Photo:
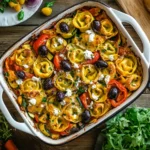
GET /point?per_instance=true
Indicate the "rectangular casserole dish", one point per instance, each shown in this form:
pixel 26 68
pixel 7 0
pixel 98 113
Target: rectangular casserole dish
pixel 117 17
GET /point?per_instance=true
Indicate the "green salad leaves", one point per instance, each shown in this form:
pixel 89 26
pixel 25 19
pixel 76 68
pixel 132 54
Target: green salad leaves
pixel 129 130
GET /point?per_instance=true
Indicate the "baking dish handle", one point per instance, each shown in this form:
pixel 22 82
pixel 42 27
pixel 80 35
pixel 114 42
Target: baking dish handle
pixel 20 126
pixel 128 19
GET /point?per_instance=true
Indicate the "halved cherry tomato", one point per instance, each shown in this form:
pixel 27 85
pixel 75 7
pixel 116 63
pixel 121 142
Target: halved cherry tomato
pixel 94 11
pixel 36 117
pixel 57 61
pixel 95 59
pixel 85 100
pixel 67 131
pixel 16 67
pixel 40 41
pixel 122 93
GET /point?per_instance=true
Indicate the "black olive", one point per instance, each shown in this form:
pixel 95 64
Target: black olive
pixel 101 64
pixel 74 129
pixel 65 65
pixel 20 74
pixel 96 25
pixel 60 96
pixel 86 116
pixel 43 51
pixel 113 93
pixel 64 27
pixel 47 84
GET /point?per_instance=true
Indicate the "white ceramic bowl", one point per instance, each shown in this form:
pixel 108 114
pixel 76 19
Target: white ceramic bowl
pixel 117 17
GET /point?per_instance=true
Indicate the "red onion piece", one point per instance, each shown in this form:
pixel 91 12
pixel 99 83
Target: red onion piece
pixel 32 3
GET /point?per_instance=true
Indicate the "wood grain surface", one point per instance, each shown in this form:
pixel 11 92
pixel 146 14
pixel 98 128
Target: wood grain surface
pixel 9 35
pixel 137 9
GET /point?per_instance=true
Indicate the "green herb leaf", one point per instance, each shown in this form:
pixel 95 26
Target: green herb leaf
pixel 44 100
pixel 49 4
pixel 79 101
pixel 21 15
pixel 80 90
pixel 24 103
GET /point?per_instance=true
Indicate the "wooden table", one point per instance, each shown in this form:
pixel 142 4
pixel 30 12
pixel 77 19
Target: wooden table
pixel 9 35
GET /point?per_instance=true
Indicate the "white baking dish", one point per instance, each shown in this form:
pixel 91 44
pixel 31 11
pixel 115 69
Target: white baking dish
pixel 117 18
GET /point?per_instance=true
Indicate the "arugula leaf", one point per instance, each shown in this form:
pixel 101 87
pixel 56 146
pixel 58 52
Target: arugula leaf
pixel 129 130
pixel 49 4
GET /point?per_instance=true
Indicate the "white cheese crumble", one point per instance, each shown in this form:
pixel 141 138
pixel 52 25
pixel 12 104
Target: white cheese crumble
pixel 55 72
pixel 89 31
pixel 25 66
pixel 95 97
pixel 60 40
pixel 32 101
pixel 75 116
pixel 91 37
pixel 35 79
pixel 76 65
pixel 19 81
pixel 63 103
pixel 68 92
pixel 111 57
pixel 56 112
pixel 93 86
pixel 91 105
pixel 55 45
pixel 107 79
pixel 62 55
pixel 88 54
pixel 42 105
pixel 91 82
pixel 101 77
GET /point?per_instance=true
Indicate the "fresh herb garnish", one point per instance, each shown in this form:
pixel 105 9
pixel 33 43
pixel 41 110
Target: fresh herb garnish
pixel 49 4
pixel 80 90
pixel 44 99
pixel 24 103
pixel 21 15
pixel 129 131
pixel 79 101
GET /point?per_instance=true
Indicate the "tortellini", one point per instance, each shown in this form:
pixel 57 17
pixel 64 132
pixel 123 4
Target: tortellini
pixel 63 81
pixel 108 51
pixel 56 44
pixel 75 54
pixel 108 28
pixel 90 73
pixel 97 92
pixel 126 65
pixel 72 29
pixel 83 20
pixel 43 68
pixel 100 109
pixel 12 79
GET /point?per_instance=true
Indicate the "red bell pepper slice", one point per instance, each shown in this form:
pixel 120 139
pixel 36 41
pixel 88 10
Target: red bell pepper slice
pixel 122 93
pixel 85 100
pixel 57 61
pixel 40 41
pixel 95 59
pixel 67 131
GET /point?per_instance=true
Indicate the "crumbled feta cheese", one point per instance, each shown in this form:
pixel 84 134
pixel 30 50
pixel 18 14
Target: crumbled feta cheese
pixel 101 77
pixel 55 45
pixel 91 82
pixel 63 103
pixel 19 81
pixel 93 86
pixel 62 55
pixel 111 57
pixel 91 37
pixel 32 101
pixel 88 54
pixel 60 40
pixel 35 79
pixel 42 105
pixel 55 72
pixel 68 92
pixel 89 31
pixel 75 116
pixel 91 105
pixel 25 66
pixel 94 97
pixel 65 58
pixel 107 79
pixel 76 65
pixel 56 112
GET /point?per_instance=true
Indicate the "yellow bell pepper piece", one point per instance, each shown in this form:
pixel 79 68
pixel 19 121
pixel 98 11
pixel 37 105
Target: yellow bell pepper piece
pixel 21 2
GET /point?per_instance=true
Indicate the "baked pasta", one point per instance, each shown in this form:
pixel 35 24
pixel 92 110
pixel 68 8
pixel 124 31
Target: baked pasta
pixel 73 73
